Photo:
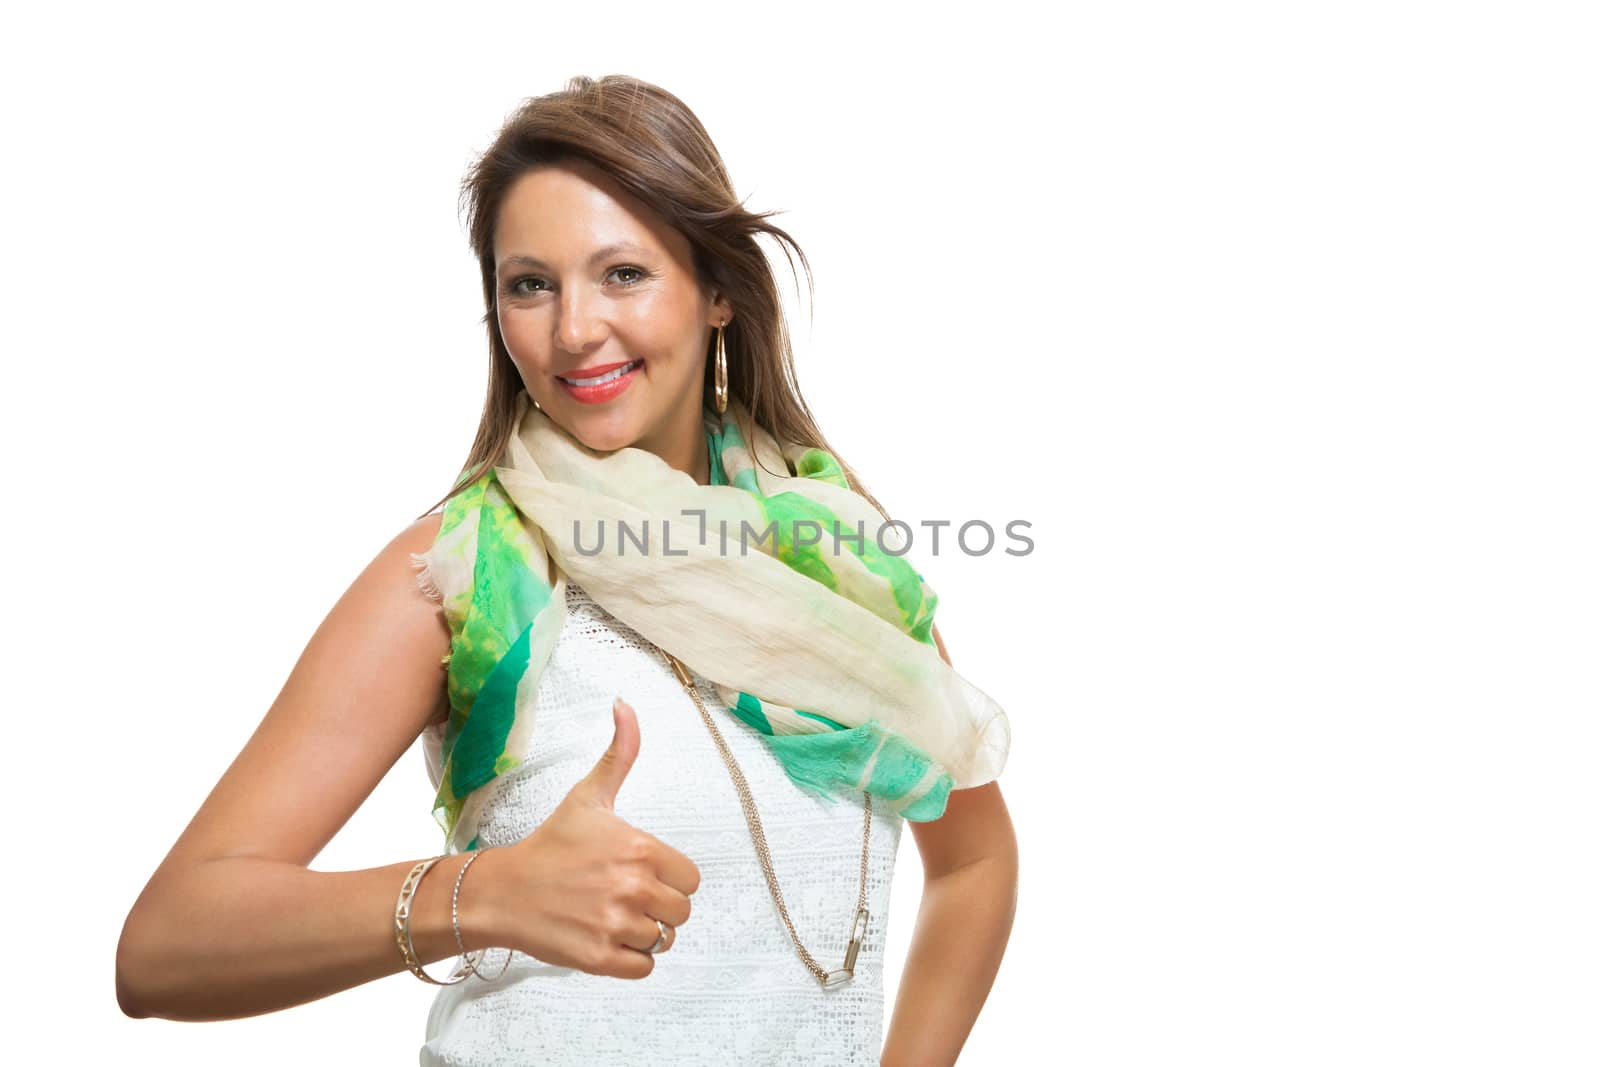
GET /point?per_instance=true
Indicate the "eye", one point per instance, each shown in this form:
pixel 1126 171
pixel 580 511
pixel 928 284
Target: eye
pixel 638 274
pixel 515 286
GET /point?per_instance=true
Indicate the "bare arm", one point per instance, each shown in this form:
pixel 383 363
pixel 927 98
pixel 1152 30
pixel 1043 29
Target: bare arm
pixel 232 923
pixel 969 900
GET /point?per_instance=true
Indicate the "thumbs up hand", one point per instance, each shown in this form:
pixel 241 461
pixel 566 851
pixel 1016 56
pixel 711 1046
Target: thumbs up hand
pixel 585 889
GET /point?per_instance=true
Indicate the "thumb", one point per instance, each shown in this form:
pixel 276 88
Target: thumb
pixel 617 760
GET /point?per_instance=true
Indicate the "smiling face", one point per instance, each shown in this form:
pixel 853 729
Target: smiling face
pixel 588 281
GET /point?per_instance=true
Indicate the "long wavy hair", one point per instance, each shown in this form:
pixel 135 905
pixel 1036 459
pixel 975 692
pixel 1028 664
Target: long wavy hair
pixel 651 144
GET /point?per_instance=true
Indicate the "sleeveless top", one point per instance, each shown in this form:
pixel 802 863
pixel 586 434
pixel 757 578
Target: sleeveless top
pixel 731 988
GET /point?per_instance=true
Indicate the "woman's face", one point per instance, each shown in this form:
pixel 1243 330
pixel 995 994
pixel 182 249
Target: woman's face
pixel 589 280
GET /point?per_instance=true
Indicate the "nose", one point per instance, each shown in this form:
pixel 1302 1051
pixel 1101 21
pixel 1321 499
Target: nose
pixel 580 325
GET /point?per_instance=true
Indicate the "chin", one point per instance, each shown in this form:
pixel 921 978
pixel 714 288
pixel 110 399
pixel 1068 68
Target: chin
pixel 605 432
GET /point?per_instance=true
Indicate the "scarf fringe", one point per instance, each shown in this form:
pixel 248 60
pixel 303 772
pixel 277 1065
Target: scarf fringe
pixel 425 582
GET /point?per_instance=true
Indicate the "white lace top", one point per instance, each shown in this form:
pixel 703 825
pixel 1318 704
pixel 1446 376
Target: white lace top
pixel 731 989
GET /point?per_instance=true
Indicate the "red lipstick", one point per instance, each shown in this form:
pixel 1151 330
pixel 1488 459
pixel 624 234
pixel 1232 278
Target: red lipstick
pixel 600 392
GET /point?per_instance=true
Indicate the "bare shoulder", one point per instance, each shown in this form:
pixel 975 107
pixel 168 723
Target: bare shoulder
pixel 408 545
pixel 419 536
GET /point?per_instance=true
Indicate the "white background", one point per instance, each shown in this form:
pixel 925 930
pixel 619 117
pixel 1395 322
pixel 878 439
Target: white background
pixel 1278 322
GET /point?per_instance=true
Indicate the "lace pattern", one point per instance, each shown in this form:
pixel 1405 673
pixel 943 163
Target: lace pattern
pixel 732 988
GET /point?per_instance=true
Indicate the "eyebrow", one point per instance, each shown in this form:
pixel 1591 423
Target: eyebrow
pixel 602 253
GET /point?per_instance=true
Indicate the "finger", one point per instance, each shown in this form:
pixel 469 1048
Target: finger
pixel 605 778
pixel 644 932
pixel 627 962
pixel 676 870
pixel 668 905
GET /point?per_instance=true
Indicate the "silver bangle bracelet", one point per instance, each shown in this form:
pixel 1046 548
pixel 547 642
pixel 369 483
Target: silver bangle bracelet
pixel 455 921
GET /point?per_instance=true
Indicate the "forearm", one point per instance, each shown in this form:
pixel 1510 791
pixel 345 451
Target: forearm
pixel 235 937
pixel 963 924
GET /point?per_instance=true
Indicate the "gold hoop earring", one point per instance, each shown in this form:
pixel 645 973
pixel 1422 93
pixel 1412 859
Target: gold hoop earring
pixel 721 374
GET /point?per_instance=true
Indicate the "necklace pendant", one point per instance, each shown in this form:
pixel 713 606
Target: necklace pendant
pixel 858 931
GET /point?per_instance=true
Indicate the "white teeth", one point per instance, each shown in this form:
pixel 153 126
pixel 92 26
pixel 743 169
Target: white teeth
pixel 608 377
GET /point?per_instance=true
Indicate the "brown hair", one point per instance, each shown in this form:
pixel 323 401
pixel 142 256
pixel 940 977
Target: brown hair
pixel 653 146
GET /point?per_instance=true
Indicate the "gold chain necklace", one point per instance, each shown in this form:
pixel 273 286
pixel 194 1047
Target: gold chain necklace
pixel 858 926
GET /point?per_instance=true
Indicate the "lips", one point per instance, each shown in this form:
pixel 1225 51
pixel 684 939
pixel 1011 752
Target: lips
pixel 618 376
pixel 585 373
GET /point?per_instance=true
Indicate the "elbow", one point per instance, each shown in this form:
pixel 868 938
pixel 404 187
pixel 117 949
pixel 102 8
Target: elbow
pixel 129 969
pixel 149 970
pixel 125 1001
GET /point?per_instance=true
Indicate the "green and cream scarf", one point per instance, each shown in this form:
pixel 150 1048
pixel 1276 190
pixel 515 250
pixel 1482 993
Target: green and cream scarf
pixel 824 648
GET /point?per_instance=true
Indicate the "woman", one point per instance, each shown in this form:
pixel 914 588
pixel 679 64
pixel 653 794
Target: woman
pixel 796 711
